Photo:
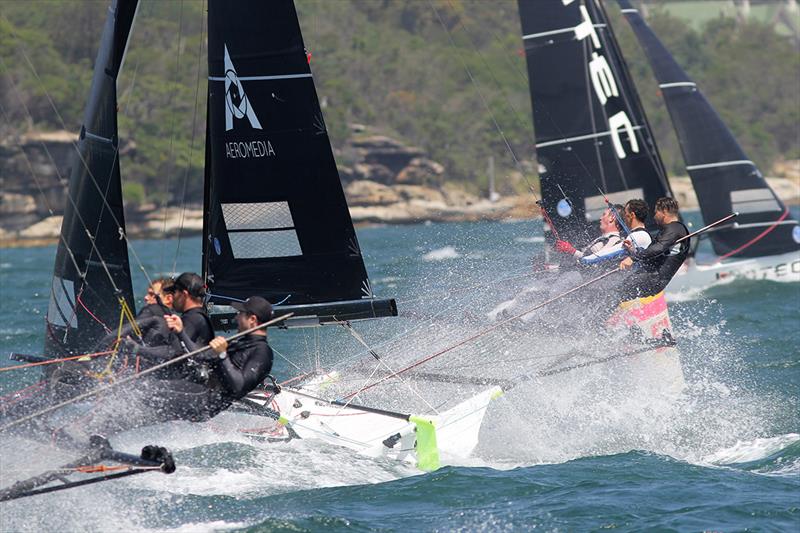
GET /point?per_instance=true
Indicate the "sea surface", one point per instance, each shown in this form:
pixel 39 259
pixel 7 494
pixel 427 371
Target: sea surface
pixel 724 456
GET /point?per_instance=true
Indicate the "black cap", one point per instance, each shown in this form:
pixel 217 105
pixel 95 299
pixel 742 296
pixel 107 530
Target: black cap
pixel 255 305
pixel 190 282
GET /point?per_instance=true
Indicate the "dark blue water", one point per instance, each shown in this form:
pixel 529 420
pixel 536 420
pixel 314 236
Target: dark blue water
pixel 726 457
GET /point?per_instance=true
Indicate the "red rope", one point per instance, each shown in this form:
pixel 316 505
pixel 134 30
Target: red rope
pixel 480 334
pixel 549 222
pixel 78 299
pixel 51 361
pixel 756 238
pixel 18 396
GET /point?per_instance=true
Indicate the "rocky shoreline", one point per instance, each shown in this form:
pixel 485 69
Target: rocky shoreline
pixel 384 180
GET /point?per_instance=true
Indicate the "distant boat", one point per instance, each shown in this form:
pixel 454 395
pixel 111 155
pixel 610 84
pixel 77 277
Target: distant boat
pixel 593 143
pixel 764 242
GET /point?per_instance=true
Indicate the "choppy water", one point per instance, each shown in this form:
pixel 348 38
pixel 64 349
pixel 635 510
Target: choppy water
pixel 725 456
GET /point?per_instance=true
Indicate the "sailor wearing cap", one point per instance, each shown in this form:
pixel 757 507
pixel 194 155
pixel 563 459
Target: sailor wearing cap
pixel 246 362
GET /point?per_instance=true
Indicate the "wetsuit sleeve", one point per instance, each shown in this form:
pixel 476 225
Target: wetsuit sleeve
pixel 240 382
pixel 665 240
pixel 188 344
pixel 157 353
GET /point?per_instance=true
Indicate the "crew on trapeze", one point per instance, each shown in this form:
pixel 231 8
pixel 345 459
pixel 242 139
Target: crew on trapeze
pixel 609 245
pixel 654 266
pixel 209 382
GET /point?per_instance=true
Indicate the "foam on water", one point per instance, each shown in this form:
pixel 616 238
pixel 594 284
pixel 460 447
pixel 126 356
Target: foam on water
pixel 440 254
pixel 536 239
pixel 752 450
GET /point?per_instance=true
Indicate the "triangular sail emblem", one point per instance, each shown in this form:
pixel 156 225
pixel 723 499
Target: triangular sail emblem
pixel 236 102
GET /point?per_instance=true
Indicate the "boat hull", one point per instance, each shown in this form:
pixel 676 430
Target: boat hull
pixel 692 276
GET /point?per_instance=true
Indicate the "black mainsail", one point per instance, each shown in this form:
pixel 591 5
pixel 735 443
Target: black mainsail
pixel 591 131
pixel 724 179
pixel 277 223
pixel 92 275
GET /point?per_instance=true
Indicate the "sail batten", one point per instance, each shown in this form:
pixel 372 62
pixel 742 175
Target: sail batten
pixel 724 179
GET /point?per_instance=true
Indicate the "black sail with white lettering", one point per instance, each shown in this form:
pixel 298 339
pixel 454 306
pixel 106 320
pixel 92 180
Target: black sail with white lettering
pixel 277 223
pixel 724 179
pixel 91 272
pixel 590 128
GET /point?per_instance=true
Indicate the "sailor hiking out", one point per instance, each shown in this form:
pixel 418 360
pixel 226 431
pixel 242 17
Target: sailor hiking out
pixel 658 263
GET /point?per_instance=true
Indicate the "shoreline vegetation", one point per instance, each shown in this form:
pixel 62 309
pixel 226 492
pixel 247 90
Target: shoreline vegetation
pixel 387 183
pixel 412 135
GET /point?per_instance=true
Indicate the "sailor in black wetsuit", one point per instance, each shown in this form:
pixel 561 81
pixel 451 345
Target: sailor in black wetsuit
pixel 659 262
pixel 236 369
pixel 246 362
pixel 188 294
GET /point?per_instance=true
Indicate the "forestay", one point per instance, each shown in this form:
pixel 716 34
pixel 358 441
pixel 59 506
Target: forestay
pixel 590 128
pixel 724 179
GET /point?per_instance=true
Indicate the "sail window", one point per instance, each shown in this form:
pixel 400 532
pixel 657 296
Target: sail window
pixel 595 205
pixel 754 201
pixel 261 215
pixel 61 311
pixel 261 229
pixel 259 244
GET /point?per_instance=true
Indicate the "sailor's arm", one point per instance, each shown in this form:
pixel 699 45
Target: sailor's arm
pixel 241 381
pixel 663 242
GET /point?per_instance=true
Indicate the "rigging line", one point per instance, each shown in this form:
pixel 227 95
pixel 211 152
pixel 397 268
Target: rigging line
pixel 194 133
pixel 39 185
pixel 89 172
pixel 279 354
pixel 446 291
pixel 171 165
pixel 81 273
pixel 514 111
pixel 486 330
pixel 357 336
pixel 99 390
pixel 517 164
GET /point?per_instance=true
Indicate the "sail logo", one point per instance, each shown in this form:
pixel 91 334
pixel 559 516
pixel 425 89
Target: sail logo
pixel 604 83
pixel 237 105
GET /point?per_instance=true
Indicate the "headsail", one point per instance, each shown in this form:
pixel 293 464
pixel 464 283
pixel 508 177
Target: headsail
pixel 277 223
pixel 724 179
pixel 591 130
pixel 91 271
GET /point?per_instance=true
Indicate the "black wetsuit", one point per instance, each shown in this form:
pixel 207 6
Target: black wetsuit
pixel 197 326
pixel 658 263
pixel 247 364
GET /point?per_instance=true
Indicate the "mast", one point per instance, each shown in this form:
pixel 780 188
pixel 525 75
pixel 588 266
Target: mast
pixel 277 223
pixel 591 131
pixel 91 272
pixel 724 179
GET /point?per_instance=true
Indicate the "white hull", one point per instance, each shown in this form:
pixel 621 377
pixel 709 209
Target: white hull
pixel 694 277
pixel 377 435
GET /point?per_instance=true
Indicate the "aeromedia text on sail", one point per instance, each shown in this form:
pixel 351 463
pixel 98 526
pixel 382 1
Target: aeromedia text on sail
pixel 605 86
pixel 245 150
